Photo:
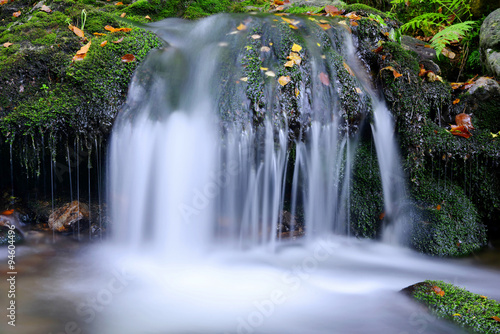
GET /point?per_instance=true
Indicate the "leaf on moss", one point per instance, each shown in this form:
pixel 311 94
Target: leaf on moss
pixel 99 34
pixel 103 43
pixel 295 58
pixel 457 315
pixel 78 32
pixel 297 92
pixel 265 49
pixel 255 36
pixel 111 29
pixel 495 318
pixel 82 53
pixel 438 207
pixel 353 16
pixel 456 101
pixel 381 216
pixel 323 77
pixel 270 74
pixel 461 131
pixel 118 41
pixel 17 14
pixel 332 10
pixel 353 23
pixel 289 63
pixel 123 14
pixel 46 9
pixel 7 44
pixel 351 72
pixel 241 27
pixel 394 72
pixel 464 120
pixel 244 79
pixel 296 47
pixel 119 4
pixel 324 26
pixel 283 80
pixel 437 290
pixel 128 58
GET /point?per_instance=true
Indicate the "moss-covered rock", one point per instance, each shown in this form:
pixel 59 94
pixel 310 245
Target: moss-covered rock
pixel 472 311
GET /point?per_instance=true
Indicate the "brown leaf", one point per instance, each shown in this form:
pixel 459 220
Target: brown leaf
pixel 78 32
pixel 147 17
pixel 82 53
pixel 354 23
pixel 353 16
pixel 104 43
pixel 278 2
pixel 381 216
pixel 464 120
pixel 461 131
pixel 456 101
pixel 118 41
pixel 394 72
pixel 283 80
pixel 495 318
pixel 332 10
pixel 438 207
pixel 379 49
pixel 17 14
pixel 128 58
pixel 46 9
pixel 7 44
pixel 123 14
pixel 325 26
pixel 323 77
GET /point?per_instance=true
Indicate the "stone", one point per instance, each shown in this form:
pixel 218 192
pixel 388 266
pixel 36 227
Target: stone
pixel 63 219
pixel 412 44
pixel 484 103
pixel 489 43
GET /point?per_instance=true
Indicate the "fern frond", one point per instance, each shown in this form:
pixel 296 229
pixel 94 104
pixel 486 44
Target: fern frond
pixel 451 33
pixel 424 21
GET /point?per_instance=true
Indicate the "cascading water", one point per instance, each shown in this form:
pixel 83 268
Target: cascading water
pixel 200 172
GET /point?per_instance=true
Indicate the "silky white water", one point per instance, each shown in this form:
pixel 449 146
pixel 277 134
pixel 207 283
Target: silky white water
pixel 196 198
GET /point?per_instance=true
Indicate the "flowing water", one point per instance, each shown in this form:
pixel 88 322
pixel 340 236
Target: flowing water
pixel 197 197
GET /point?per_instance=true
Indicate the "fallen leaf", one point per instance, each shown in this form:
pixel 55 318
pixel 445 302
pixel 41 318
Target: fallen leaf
pixel 46 9
pixel 280 8
pixel 278 2
pixel 325 26
pixel 270 74
pixel 99 34
pixel 438 207
pixel 456 101
pixel 495 318
pixel 123 14
pixel 128 58
pixel 82 53
pixel 147 17
pixel 119 3
pixel 241 27
pixel 457 315
pixel 323 77
pixel 484 297
pixel 245 79
pixel 255 36
pixel 264 69
pixel 344 24
pixel 448 53
pixel 461 131
pixel 381 216
pixel 349 69
pixel 438 290
pixel 265 49
pixel 494 135
pixel 111 29
pixel 289 63
pixel 78 32
pixel 394 72
pixel 118 41
pixel 353 16
pixel 103 43
pixel 7 44
pixel 296 47
pixel 3 2
pixel 283 80
pixel 379 49
pixel 332 10
pixel 297 92
pixel 7 212
pixel 295 58
pixel 354 23
pixel 464 120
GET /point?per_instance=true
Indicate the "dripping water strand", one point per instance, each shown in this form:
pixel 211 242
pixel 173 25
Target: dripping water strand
pixel 98 163
pixel 11 175
pixel 69 172
pixel 89 166
pixel 78 182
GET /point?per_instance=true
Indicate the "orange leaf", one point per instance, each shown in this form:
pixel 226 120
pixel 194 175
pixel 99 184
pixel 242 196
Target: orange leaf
pixel 118 41
pixel 456 85
pixel 241 27
pixel 6 44
pixel 464 119
pixel 278 2
pixel 124 29
pixel 3 2
pixel 17 14
pixel 394 72
pixel 460 131
pixel 104 43
pixel 332 10
pixel 7 212
pixel 323 77
pixel 119 3
pixel 349 69
pixel 80 54
pixel 422 71
pixel 110 28
pixel 99 34
pixel 495 318
pixel 438 207
pixel 283 80
pixel 456 101
pixel 128 58
pixel 438 290
pixel 123 14
pixel 379 49
pixel 353 16
pixel 147 17
pixel 381 216
pixel 78 32
pixel 46 9
pixel 325 26
pixel 354 23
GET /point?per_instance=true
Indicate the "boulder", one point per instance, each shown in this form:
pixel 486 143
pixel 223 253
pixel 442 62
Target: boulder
pixel 63 219
pixel 489 43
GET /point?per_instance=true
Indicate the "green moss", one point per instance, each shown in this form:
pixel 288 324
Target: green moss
pixel 448 223
pixel 302 9
pixel 401 56
pixel 366 193
pixel 460 306
pixel 48 39
pixel 359 7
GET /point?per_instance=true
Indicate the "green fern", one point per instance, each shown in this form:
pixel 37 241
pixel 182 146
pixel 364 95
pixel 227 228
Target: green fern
pixel 449 34
pixel 424 22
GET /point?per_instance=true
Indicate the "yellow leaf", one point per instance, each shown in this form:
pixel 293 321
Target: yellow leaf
pixel 283 80
pixel 296 92
pixel 245 79
pixel 289 63
pixel 84 49
pixel 349 69
pixel 494 135
pixel 358 90
pixel 255 36
pixel 457 315
pixel 147 17
pixel 7 44
pixel 295 58
pixel 270 74
pixel 264 69
pixel 248 47
pixel 265 49
pixel 484 297
pixel 293 27
pixel 318 44
pixel 296 48
pixel 241 27
pixel 99 34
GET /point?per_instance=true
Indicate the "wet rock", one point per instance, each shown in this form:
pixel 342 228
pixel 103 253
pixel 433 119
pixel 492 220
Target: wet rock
pixel 63 219
pixel 412 44
pixel 489 43
pixel 484 102
pixel 12 218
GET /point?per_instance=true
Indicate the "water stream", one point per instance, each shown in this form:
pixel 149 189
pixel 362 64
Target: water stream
pixel 196 199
